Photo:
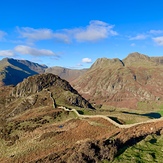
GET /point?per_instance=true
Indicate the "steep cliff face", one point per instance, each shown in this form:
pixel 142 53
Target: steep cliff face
pixel 122 83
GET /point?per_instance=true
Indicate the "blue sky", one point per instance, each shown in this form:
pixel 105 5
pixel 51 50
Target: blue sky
pixel 74 33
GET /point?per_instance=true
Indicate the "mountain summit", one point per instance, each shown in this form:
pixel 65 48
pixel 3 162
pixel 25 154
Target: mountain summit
pixel 137 59
pixel 105 62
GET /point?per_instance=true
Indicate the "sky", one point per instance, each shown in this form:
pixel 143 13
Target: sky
pixel 74 33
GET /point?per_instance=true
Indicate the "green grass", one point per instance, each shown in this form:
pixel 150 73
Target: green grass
pixel 149 150
pixel 161 109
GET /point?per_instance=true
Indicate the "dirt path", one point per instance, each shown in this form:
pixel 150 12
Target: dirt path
pixel 102 116
pixel 108 119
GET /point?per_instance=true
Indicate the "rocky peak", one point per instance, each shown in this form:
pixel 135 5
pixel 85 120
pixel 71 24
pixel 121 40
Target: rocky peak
pixel 136 58
pixel 61 91
pixel 105 62
pixel 37 83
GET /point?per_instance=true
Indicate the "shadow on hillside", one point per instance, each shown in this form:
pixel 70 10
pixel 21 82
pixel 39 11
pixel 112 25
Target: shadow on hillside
pixel 150 115
pixel 117 120
pixel 22 66
pixel 80 112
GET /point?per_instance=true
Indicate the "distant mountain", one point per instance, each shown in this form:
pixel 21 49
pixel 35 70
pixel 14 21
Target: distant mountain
pixel 13 71
pixel 136 80
pixel 65 73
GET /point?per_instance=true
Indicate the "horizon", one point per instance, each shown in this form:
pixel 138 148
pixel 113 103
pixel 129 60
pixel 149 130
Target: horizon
pixel 74 34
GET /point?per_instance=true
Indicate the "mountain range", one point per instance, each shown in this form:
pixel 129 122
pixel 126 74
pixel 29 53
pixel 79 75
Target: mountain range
pixel 132 82
pixel 13 71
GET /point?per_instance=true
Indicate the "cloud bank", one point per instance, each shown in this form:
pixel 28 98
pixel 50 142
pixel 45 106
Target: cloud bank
pixel 96 30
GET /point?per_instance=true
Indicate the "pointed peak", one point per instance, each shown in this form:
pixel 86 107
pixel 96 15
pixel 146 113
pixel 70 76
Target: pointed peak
pixel 136 58
pixel 137 55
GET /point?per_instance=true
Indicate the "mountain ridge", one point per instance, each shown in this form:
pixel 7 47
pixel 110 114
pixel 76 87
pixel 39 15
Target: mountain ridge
pixel 123 83
pixel 13 71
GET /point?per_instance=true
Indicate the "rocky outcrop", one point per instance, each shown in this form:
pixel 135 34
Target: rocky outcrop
pixel 105 62
pixel 37 83
pixel 36 89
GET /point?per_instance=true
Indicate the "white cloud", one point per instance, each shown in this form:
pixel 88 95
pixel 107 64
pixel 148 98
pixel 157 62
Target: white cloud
pixel 139 37
pixel 156 32
pixel 7 53
pixel 35 34
pixel 96 30
pixel 32 34
pixel 159 40
pixel 33 51
pixel 86 60
pixel 2 34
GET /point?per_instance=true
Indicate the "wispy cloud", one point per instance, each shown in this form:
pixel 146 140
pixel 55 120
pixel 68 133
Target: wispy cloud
pixel 33 51
pixel 87 60
pixel 33 35
pixel 156 32
pixel 139 37
pixel 2 34
pixel 7 53
pixel 158 40
pixel 96 30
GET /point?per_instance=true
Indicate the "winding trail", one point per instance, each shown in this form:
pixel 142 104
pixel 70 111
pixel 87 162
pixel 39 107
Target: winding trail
pixel 101 116
pixel 109 119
